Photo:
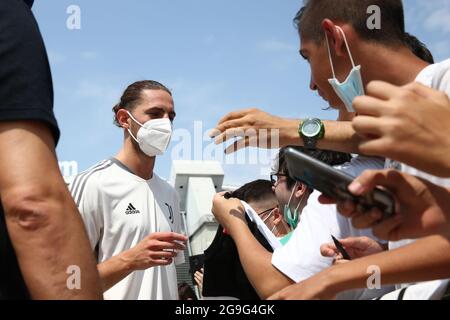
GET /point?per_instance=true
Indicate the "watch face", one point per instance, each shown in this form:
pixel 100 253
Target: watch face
pixel 311 128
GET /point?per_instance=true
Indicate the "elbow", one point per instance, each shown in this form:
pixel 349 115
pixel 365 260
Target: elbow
pixel 266 291
pixel 32 209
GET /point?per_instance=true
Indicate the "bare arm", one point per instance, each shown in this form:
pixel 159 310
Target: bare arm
pixel 424 260
pixel 339 135
pixel 43 222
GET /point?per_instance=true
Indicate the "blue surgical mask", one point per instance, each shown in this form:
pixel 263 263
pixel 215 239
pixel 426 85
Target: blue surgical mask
pixel 353 86
pixel 292 218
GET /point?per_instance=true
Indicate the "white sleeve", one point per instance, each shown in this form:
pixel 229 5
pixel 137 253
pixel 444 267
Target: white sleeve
pixel 300 258
pixel 359 164
pixel 179 259
pixel 441 80
pixel 86 195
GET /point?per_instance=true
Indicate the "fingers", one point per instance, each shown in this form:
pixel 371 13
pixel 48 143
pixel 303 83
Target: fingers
pixel 198 277
pixel 219 198
pixel 325 200
pixel 328 250
pixel 230 133
pixel 198 274
pixel 420 89
pixel 161 245
pixel 369 106
pixel 340 261
pixel 375 147
pixel 346 208
pixel 238 145
pixel 367 220
pixel 235 115
pixel 367 126
pixel 369 179
pixel 388 229
pixel 381 90
pixel 366 182
pixel 162 262
pixel 162 255
pixel 168 236
pixel 360 243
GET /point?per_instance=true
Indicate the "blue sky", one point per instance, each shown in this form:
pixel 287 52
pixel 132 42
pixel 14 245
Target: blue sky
pixel 217 56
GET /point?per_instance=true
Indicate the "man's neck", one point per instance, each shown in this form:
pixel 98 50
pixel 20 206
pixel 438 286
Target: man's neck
pixel 398 66
pixel 133 158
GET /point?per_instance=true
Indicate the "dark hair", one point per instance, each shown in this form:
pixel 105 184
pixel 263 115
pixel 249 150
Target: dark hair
pixel 354 12
pixel 418 48
pixel 185 292
pixel 332 158
pixel 132 95
pixel 258 190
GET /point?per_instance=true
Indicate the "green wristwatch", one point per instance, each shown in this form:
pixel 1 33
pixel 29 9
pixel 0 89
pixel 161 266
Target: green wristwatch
pixel 311 130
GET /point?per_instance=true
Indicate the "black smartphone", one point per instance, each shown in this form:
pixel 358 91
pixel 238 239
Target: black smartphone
pixel 196 263
pixel 341 249
pixel 334 183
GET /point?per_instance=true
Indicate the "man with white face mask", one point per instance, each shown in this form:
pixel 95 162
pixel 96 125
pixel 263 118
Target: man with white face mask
pixel 131 215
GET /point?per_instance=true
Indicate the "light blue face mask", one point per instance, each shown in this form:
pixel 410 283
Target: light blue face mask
pixel 353 86
pixel 292 218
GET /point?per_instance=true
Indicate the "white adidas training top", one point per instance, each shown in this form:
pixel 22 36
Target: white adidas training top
pixel 119 210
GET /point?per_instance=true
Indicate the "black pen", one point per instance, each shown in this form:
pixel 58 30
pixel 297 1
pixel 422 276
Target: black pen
pixel 341 249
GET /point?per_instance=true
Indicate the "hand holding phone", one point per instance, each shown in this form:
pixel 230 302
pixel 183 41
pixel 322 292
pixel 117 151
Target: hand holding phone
pixel 334 183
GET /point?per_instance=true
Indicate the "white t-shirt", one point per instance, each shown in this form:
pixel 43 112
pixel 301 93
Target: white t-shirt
pixel 119 210
pixel 436 76
pixel 300 258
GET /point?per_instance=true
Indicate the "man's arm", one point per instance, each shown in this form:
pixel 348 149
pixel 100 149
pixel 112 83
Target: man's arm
pixel 424 260
pixel 339 135
pixel 255 259
pixel 43 222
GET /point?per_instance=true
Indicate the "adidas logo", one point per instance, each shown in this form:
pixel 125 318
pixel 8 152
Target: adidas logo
pixel 131 210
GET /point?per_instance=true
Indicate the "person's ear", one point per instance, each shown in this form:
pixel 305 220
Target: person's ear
pixel 123 118
pixel 335 38
pixel 301 189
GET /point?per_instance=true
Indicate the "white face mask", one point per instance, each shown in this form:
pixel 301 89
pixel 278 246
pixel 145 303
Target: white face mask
pixel 154 136
pixel 353 86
